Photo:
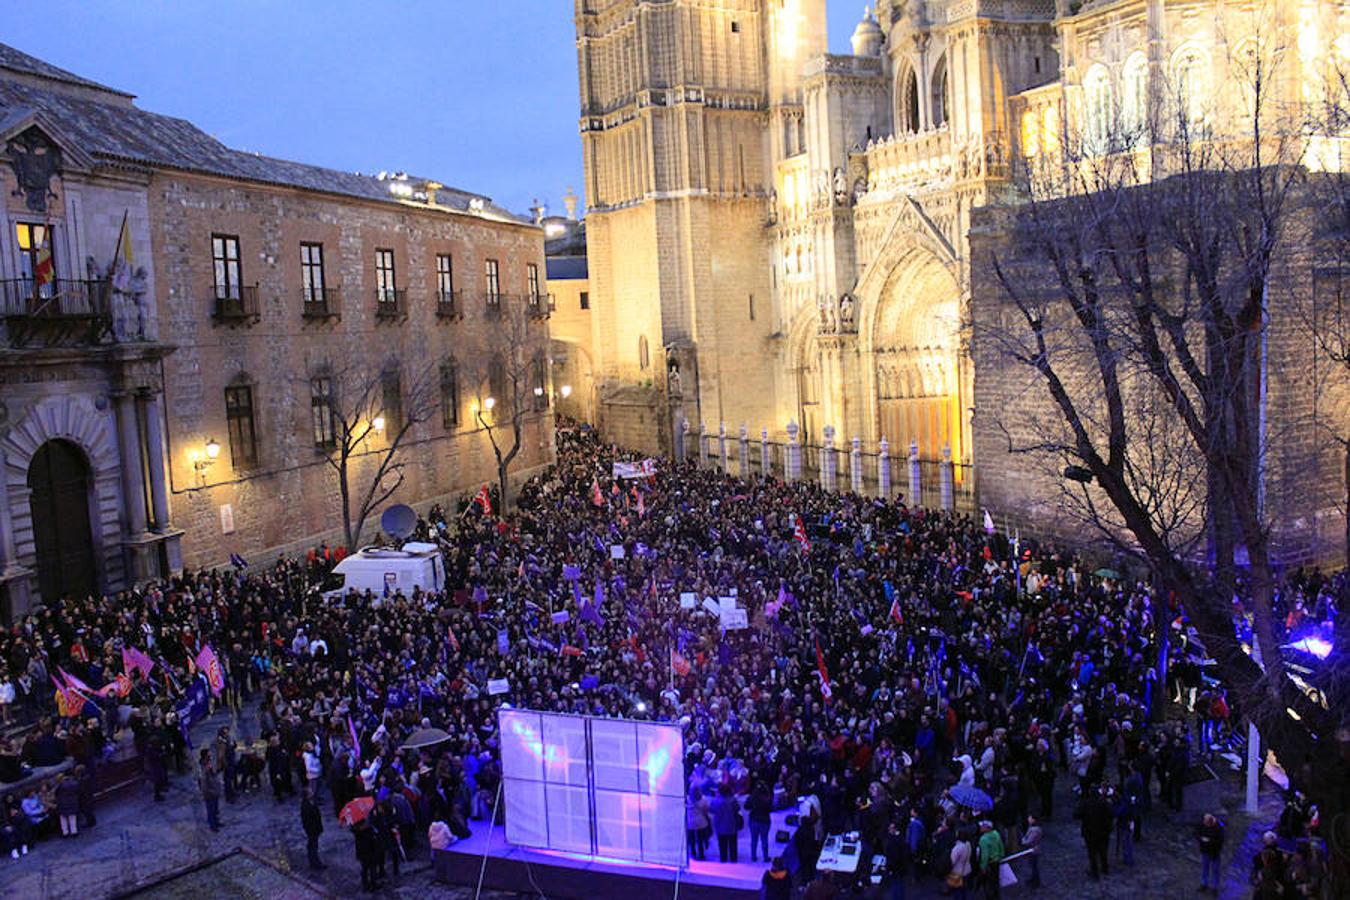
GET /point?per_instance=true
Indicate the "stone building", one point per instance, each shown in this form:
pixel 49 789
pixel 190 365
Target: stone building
pixel 571 327
pixel 793 226
pixel 169 399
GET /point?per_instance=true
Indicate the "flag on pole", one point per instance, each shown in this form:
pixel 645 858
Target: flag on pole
pixel 896 615
pixel 641 506
pixel 450 635
pixel 68 703
pixel 679 663
pixel 824 675
pixel 590 612
pixel 484 500
pixel 79 689
pixel 356 739
pixel 44 270
pixel 134 660
pixel 597 498
pixel 123 262
pixel 209 665
pixel 799 535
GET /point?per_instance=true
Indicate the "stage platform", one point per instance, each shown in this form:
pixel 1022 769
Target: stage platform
pixel 566 875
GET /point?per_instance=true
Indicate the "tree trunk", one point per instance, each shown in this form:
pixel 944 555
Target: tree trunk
pixel 345 490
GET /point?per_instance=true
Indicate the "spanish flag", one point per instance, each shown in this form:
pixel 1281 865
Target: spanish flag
pixel 123 262
pixel 44 272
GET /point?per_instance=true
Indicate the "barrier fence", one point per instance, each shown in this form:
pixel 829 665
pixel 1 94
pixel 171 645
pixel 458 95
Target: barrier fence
pixel 880 471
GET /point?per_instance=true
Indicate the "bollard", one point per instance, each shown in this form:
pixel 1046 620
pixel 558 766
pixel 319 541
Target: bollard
pixel 945 472
pixel 702 446
pixel 794 454
pixel 722 444
pixel 915 498
pixel 827 460
pixel 884 469
pixel 765 459
pixel 745 451
pixel 855 466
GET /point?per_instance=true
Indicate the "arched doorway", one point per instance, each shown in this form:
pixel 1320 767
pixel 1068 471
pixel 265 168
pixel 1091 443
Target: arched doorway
pixel 59 479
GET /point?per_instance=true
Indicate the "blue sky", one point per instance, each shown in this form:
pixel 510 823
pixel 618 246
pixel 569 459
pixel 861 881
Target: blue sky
pixel 479 94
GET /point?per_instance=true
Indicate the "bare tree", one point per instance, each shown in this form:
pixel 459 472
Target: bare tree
pixel 364 412
pixel 1135 291
pixel 510 377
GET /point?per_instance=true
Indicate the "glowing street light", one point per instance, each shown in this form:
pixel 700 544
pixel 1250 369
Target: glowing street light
pixel 566 391
pixel 378 423
pixel 489 403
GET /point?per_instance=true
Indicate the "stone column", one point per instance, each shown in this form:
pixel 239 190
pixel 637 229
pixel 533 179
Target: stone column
pixel 684 440
pixel 680 436
pixel 793 465
pixel 884 469
pixel 914 484
pixel 722 444
pixel 154 439
pixel 745 451
pixel 827 460
pixel 702 446
pixel 855 466
pixel 945 471
pixel 133 483
pixel 765 457
pixel 9 554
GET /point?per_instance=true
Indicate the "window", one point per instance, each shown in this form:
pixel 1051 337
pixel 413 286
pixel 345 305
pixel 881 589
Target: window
pixel 585 300
pixel 1134 99
pixel 311 272
pixel 1191 76
pixel 322 411
pixel 36 263
pixel 532 281
pixel 239 422
pixel 391 400
pixel 909 101
pixel 445 276
pixel 941 93
pixel 496 381
pixel 1098 111
pixel 644 357
pixel 225 265
pixel 492 277
pixel 539 383
pixel 735 27
pixel 450 394
pixel 752 307
pixel 385 283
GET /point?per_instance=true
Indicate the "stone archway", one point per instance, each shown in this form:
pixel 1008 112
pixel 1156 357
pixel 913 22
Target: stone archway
pixel 76 420
pixel 59 482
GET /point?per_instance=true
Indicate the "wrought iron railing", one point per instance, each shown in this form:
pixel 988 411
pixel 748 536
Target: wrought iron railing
pixel 448 305
pixel 321 303
pixel 238 307
pixel 59 312
pixel 391 303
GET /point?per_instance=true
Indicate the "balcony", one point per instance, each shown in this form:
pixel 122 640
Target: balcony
pixel 448 305
pixel 238 310
pixel 63 313
pixel 321 304
pixel 391 304
pixel 539 306
pixel 492 306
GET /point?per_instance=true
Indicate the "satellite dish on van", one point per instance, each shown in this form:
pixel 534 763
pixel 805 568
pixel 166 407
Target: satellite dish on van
pixel 398 521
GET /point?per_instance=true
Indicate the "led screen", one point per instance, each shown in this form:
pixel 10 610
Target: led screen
pixel 603 787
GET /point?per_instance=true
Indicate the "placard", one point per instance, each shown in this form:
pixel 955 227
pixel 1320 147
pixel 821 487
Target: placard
pixel 616 551
pixel 711 606
pixel 499 686
pixel 734 619
pixel 688 600
pixel 226 519
pixel 726 604
pixel 561 617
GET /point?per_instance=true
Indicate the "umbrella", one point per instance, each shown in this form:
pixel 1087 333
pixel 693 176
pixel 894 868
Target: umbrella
pixel 1107 573
pixel 426 737
pixel 976 799
pixel 356 810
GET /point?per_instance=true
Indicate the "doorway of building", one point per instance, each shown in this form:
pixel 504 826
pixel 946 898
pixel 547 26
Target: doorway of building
pixel 58 478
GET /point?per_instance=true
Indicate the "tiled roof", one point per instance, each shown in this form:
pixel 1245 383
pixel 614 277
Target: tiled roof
pixel 122 133
pixel 18 61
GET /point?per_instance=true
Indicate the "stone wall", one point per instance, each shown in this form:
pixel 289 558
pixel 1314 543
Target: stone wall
pixel 292 491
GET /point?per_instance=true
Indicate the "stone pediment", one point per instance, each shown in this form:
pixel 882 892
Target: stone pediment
pixel 911 226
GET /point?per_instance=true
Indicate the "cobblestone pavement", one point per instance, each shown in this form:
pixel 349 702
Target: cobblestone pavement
pixel 137 839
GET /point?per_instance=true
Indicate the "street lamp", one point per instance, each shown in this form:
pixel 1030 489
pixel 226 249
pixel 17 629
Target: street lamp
pixel 204 459
pixel 489 403
pixel 378 424
pixel 566 391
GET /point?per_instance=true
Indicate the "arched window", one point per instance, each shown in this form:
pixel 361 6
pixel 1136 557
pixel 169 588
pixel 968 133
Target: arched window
pixel 942 95
pixel 1190 78
pixel 1134 100
pixel 1098 110
pixel 644 357
pixel 908 96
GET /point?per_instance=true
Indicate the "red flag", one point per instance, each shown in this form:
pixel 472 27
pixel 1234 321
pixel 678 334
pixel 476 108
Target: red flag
pixel 642 507
pixel 454 641
pixel 68 702
pixel 597 498
pixel 133 660
pixel 898 616
pixel 824 676
pixel 799 534
pixel 484 500
pixel 679 663
pixel 44 272
pixel 569 650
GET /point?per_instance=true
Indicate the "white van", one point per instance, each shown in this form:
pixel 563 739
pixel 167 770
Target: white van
pixel 384 570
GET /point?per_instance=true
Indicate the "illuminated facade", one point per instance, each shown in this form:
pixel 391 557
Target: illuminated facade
pixel 731 160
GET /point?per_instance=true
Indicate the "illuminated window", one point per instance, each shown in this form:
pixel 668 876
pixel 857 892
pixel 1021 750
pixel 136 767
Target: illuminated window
pixel 1190 75
pixel 1134 99
pixel 225 265
pixel 1031 133
pixel 1098 111
pixel 37 266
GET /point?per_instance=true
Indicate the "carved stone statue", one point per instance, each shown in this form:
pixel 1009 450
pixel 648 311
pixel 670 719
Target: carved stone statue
pixel 840 187
pixel 673 386
pixel 859 189
pixel 846 312
pixel 140 286
pixel 773 206
pixel 822 188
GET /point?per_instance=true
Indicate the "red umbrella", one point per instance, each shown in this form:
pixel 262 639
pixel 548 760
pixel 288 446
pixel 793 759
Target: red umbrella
pixel 356 810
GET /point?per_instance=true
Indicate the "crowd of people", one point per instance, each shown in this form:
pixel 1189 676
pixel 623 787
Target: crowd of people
pixel 906 674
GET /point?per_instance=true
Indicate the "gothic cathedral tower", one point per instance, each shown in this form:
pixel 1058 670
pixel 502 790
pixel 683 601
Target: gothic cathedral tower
pixel 686 107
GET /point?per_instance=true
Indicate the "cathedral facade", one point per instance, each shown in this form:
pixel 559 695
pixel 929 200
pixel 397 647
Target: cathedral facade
pixel 793 228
